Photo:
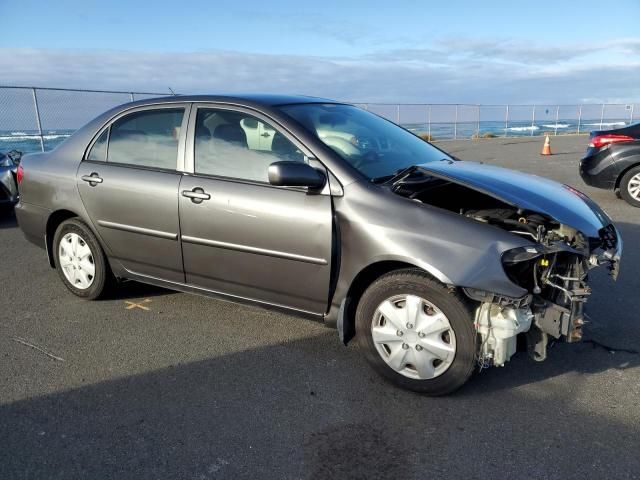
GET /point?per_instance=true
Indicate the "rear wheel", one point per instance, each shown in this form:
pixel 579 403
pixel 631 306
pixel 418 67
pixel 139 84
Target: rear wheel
pixel 80 260
pixel 630 187
pixel 416 333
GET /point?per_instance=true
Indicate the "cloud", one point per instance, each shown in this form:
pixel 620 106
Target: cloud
pixel 518 52
pixel 324 27
pixel 449 71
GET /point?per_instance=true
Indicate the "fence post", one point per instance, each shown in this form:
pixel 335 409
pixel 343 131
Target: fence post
pixel 455 124
pixel 131 96
pixel 631 115
pixel 555 133
pixel 601 116
pixel 398 114
pixel 478 127
pixel 506 122
pixel 579 118
pixel 37 110
pixel 533 119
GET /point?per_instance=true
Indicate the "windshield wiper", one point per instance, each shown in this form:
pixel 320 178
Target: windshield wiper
pixel 402 174
pixel 399 174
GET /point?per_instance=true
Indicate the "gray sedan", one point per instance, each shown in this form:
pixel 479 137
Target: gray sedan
pixel 435 266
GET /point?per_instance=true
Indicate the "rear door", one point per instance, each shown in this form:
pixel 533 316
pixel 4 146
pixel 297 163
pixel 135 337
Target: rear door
pixel 129 185
pixel 240 235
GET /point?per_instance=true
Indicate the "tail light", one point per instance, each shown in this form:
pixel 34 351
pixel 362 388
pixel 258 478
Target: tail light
pixel 19 174
pixel 600 141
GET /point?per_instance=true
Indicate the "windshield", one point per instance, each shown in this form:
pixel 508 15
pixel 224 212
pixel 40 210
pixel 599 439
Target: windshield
pixel 374 146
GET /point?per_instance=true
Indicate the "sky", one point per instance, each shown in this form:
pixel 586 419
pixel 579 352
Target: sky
pixel 358 51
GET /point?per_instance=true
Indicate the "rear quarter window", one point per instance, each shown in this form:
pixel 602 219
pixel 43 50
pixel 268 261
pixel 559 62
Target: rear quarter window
pixel 99 150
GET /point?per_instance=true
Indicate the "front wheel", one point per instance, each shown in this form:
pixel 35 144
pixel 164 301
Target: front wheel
pixel 630 187
pixel 417 333
pixel 80 261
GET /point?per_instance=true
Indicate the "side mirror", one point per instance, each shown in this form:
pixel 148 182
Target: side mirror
pixel 296 174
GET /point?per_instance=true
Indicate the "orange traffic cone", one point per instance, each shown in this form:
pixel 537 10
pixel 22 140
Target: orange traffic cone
pixel 546 149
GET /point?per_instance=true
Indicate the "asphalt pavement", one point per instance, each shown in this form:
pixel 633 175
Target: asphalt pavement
pixel 152 384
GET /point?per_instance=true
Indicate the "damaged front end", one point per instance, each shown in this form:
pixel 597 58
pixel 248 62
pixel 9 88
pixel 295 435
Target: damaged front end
pixel 555 273
pixel 569 235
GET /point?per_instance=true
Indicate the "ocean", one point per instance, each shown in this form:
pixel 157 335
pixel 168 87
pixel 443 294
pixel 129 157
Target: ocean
pixel 461 130
pixel 28 141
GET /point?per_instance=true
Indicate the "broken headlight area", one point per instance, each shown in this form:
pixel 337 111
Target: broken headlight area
pixel 556 282
pixel 554 272
pixel 606 250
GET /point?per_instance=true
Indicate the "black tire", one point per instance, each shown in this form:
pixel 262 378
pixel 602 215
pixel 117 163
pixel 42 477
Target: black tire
pixel 103 278
pixel 451 303
pixel 624 187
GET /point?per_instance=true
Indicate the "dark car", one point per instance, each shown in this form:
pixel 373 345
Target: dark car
pixel 613 162
pixel 323 210
pixel 8 182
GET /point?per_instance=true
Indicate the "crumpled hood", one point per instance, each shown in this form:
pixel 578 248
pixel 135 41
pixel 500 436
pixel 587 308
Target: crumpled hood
pixel 530 192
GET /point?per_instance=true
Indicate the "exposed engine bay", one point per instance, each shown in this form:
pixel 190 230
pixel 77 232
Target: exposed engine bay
pixel 553 270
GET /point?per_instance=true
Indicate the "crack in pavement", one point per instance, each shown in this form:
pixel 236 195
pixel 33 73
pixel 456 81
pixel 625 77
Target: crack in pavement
pixel 24 342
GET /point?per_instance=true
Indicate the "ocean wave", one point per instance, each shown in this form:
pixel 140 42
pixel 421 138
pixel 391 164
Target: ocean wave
pixel 607 124
pixel 18 133
pixel 24 137
pixel 557 125
pixel 524 129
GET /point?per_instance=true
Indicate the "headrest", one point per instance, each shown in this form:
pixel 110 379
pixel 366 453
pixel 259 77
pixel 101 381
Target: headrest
pixel 231 133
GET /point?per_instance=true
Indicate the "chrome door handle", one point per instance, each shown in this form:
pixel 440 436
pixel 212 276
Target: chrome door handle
pixel 197 195
pixel 93 179
pixel 265 135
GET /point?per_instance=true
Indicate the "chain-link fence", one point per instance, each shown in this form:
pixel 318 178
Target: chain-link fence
pixel 38 119
pixel 467 121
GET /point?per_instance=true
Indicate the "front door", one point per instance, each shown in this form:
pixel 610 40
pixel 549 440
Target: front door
pixel 129 186
pixel 242 236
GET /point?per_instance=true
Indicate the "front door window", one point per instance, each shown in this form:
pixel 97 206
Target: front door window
pixel 238 145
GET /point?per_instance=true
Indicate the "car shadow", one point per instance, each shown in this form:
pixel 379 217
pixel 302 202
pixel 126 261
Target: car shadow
pixel 310 408
pixel 7 218
pixel 612 308
pixel 132 289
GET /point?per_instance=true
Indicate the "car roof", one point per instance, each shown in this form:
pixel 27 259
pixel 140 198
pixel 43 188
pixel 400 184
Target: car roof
pixel 250 100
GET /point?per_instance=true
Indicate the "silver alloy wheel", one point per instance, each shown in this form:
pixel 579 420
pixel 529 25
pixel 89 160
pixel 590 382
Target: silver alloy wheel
pixel 76 261
pixel 634 186
pixel 413 336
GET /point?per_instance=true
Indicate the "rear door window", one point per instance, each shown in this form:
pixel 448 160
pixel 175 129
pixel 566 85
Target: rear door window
pixel 146 138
